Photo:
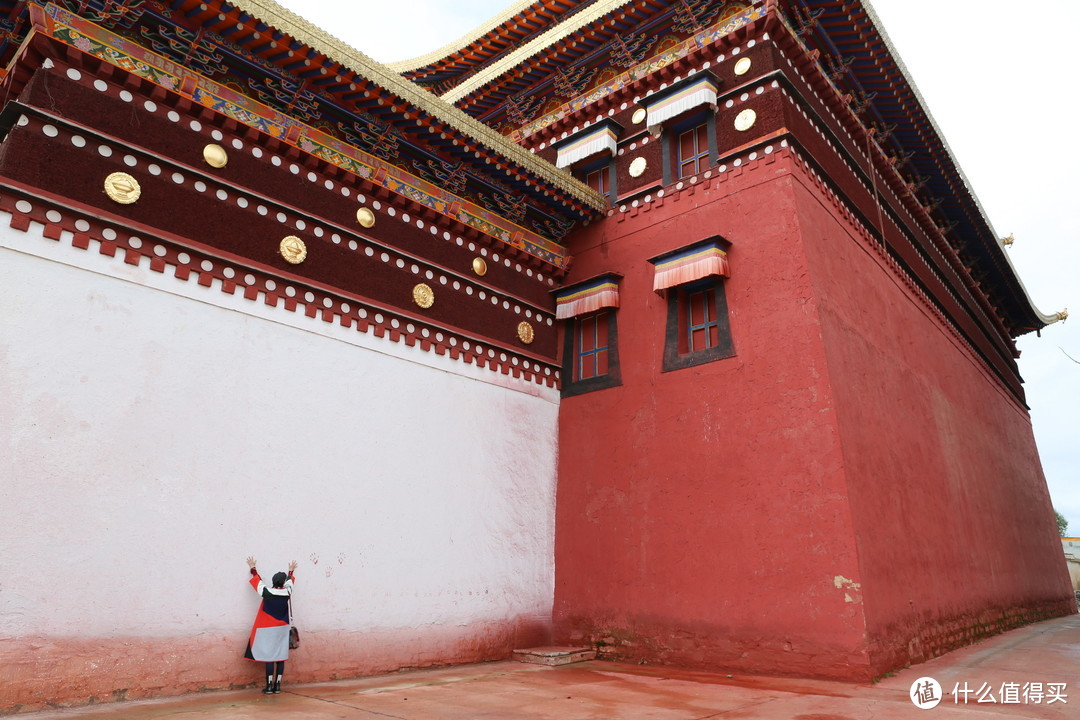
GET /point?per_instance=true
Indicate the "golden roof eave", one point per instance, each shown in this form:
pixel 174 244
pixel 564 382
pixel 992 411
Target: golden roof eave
pixel 321 41
pixel 536 45
pixel 403 66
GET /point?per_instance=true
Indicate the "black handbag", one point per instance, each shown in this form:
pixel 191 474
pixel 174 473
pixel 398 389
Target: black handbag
pixel 294 634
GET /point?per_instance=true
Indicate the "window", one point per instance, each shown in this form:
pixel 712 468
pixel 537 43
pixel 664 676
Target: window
pixel 701 323
pixel 598 180
pixel 591 346
pixel 591 358
pixel 684 113
pixel 692 280
pixel 697 327
pixel 693 150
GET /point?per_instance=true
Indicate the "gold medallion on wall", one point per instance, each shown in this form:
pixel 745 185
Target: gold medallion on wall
pixel 122 188
pixel 215 156
pixel 479 266
pixel 637 166
pixel 423 296
pixel 525 332
pixel 293 250
pixel 745 120
pixel 743 66
pixel 365 217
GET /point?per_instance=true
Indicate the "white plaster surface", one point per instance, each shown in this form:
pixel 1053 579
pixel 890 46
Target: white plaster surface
pixel 153 433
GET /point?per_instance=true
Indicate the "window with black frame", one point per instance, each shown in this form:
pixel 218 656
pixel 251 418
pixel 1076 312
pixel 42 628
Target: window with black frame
pixel 590 345
pixel 692 279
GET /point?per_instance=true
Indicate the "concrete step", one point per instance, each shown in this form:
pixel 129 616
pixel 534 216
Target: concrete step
pixel 554 655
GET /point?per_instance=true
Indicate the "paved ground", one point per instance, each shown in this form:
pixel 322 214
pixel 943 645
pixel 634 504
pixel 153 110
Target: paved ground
pixel 1041 663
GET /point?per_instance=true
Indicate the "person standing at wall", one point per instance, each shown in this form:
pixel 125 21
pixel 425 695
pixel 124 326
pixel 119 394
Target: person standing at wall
pixel 269 641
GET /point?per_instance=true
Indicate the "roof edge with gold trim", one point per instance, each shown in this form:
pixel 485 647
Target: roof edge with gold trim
pixel 463 42
pixel 289 22
pixel 534 46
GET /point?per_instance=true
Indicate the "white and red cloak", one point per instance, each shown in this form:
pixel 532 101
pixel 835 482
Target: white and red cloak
pixel 269 641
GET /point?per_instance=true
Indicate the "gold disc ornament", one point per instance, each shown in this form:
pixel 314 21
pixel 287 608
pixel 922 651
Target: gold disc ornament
pixel 293 250
pixel 479 266
pixel 122 188
pixel 637 166
pixel 743 66
pixel 525 332
pixel 365 217
pixel 215 156
pixel 639 116
pixel 423 296
pixel 745 120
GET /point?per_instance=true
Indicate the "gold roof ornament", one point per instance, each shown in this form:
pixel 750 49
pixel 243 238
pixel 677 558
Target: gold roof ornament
pixel 1063 315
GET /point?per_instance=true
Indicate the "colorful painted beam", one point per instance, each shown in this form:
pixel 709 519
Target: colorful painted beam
pixel 89 38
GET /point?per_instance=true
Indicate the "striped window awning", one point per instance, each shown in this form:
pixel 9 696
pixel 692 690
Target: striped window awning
pixel 588 296
pixel 593 140
pixel 688 264
pixel 695 91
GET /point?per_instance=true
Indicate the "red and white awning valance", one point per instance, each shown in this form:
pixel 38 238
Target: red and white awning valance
pixel 587 297
pixel 592 141
pixel 697 91
pixel 698 261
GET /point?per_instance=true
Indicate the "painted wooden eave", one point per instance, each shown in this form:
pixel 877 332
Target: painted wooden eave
pixel 1036 317
pixel 537 45
pixel 473 37
pixel 319 40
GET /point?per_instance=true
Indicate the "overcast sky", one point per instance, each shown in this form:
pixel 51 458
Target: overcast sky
pixel 999 82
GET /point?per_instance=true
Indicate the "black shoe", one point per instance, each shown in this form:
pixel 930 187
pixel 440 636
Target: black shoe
pixel 269 688
pixel 277 688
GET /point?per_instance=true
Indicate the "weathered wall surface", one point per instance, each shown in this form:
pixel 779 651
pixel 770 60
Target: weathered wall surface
pixel 951 512
pixel 681 494
pixel 155 432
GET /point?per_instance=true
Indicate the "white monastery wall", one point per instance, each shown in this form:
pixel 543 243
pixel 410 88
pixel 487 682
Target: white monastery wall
pixel 154 433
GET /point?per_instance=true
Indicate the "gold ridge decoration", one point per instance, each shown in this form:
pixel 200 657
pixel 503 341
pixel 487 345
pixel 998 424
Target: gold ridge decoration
pixel 122 188
pixel 215 156
pixel 479 266
pixel 525 332
pixel 365 217
pixel 745 120
pixel 423 296
pixel 293 249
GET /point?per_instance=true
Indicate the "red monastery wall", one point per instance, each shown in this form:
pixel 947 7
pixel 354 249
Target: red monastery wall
pixel 950 508
pixel 701 515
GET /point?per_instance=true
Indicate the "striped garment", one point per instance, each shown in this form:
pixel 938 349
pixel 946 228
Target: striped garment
pixel 269 641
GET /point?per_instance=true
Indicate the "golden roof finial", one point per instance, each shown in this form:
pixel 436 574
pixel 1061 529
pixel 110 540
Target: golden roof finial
pixel 1008 240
